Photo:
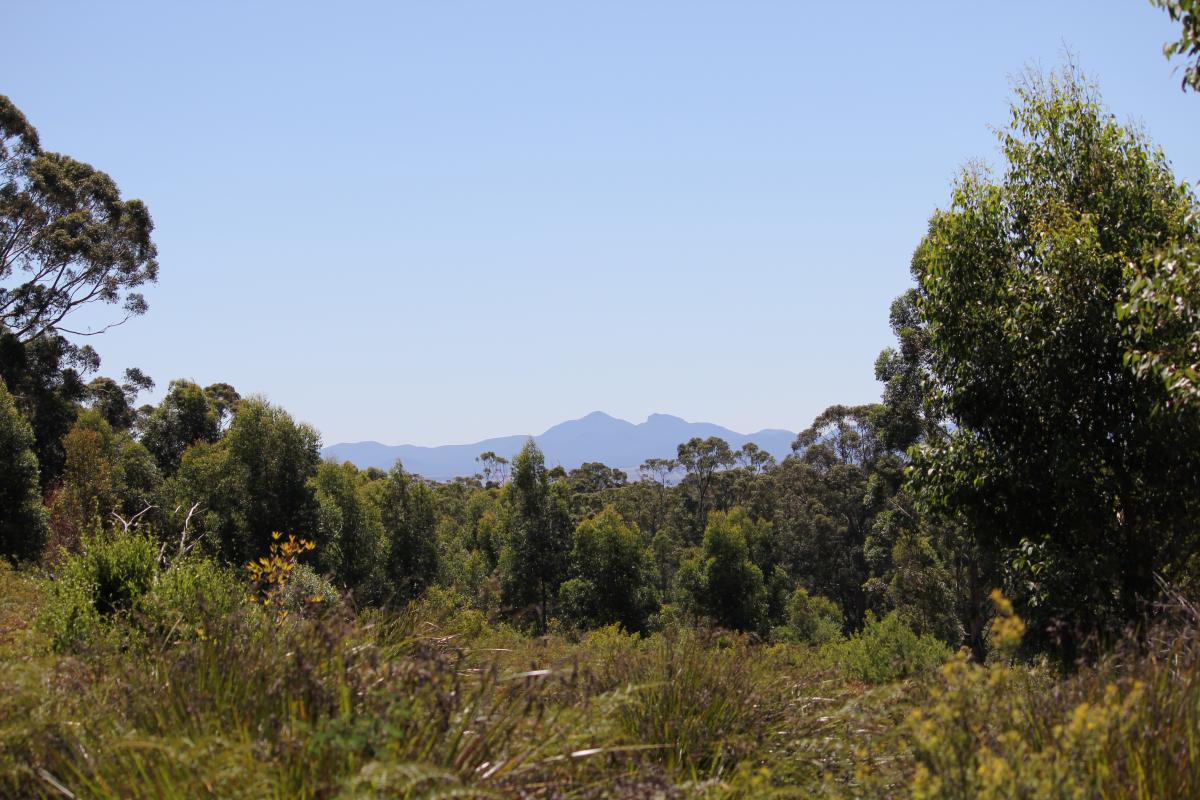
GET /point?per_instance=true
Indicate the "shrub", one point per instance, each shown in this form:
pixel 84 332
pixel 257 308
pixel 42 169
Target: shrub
pixel 886 650
pixel 190 591
pixel 306 590
pixel 115 586
pixel 279 578
pixel 1127 727
pixel 813 619
pixel 105 579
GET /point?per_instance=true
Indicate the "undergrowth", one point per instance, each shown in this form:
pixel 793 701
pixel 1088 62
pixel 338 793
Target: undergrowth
pixel 178 687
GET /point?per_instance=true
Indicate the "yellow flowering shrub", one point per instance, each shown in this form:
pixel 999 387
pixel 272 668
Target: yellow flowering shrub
pixel 272 573
pixel 1008 731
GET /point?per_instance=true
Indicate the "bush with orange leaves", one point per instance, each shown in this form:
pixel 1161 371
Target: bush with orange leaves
pixel 271 574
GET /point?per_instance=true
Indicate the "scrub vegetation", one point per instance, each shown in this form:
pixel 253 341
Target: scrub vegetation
pixel 983 586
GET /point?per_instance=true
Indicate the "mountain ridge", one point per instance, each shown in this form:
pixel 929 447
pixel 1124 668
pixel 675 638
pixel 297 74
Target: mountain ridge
pixel 597 436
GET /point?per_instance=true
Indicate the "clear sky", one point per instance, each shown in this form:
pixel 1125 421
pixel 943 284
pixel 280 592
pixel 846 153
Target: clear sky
pixel 432 222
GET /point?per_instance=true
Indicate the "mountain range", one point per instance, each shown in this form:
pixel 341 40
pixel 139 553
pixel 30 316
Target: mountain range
pixel 596 437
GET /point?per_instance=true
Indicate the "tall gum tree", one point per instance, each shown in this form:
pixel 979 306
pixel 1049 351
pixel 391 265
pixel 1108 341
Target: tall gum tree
pixel 67 237
pixel 1055 456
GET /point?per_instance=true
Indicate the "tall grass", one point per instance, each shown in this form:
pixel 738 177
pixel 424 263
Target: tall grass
pixel 182 698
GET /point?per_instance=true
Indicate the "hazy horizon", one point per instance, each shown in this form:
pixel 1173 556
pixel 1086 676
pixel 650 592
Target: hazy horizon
pixel 498 435
pixel 432 223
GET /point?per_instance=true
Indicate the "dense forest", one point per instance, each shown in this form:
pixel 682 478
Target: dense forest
pixel 981 586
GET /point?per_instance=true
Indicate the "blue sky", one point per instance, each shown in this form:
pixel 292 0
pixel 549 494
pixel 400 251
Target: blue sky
pixel 432 222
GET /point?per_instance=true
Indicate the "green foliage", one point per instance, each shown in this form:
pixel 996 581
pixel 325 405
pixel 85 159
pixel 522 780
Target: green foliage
pixel 912 575
pixel 612 575
pixel 116 586
pixel 189 592
pixel 1161 319
pixel 224 399
pixel 226 713
pixel 534 558
pixel 183 418
pixel 115 401
pixel 252 482
pixel 138 480
pixel 305 591
pixel 1057 461
pixel 701 460
pixel 110 402
pixel 1128 727
pixel 703 703
pixel 45 377
pixel 910 412
pixel 886 650
pixel 1162 311
pixel 920 560
pixel 70 238
pixel 721 582
pixel 22 517
pixel 1187 14
pixel 349 530
pixel 409 519
pixel 813 619
pixel 88 492
pixel 228 701
pixel 594 477
pixel 827 500
pixel 107 577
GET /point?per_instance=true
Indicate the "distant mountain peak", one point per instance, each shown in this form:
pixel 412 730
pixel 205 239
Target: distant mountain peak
pixel 598 436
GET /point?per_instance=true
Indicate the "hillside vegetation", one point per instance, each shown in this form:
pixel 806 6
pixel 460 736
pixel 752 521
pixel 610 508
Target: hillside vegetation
pixel 982 586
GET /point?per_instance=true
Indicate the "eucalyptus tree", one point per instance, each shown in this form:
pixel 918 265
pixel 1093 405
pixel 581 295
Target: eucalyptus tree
pixel 1187 14
pixel 349 531
pixel 1059 458
pixel 408 514
pixel 612 575
pixel 701 460
pixel 533 561
pixel 184 417
pixel 1162 312
pixel 46 379
pixel 252 482
pixel 115 401
pixel 828 494
pixel 67 237
pixel 720 581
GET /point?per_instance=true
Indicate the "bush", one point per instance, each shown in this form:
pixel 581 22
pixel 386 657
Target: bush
pixel 105 579
pixel 188 593
pixel 1127 727
pixel 116 579
pixel 305 590
pixel 812 619
pixel 886 650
